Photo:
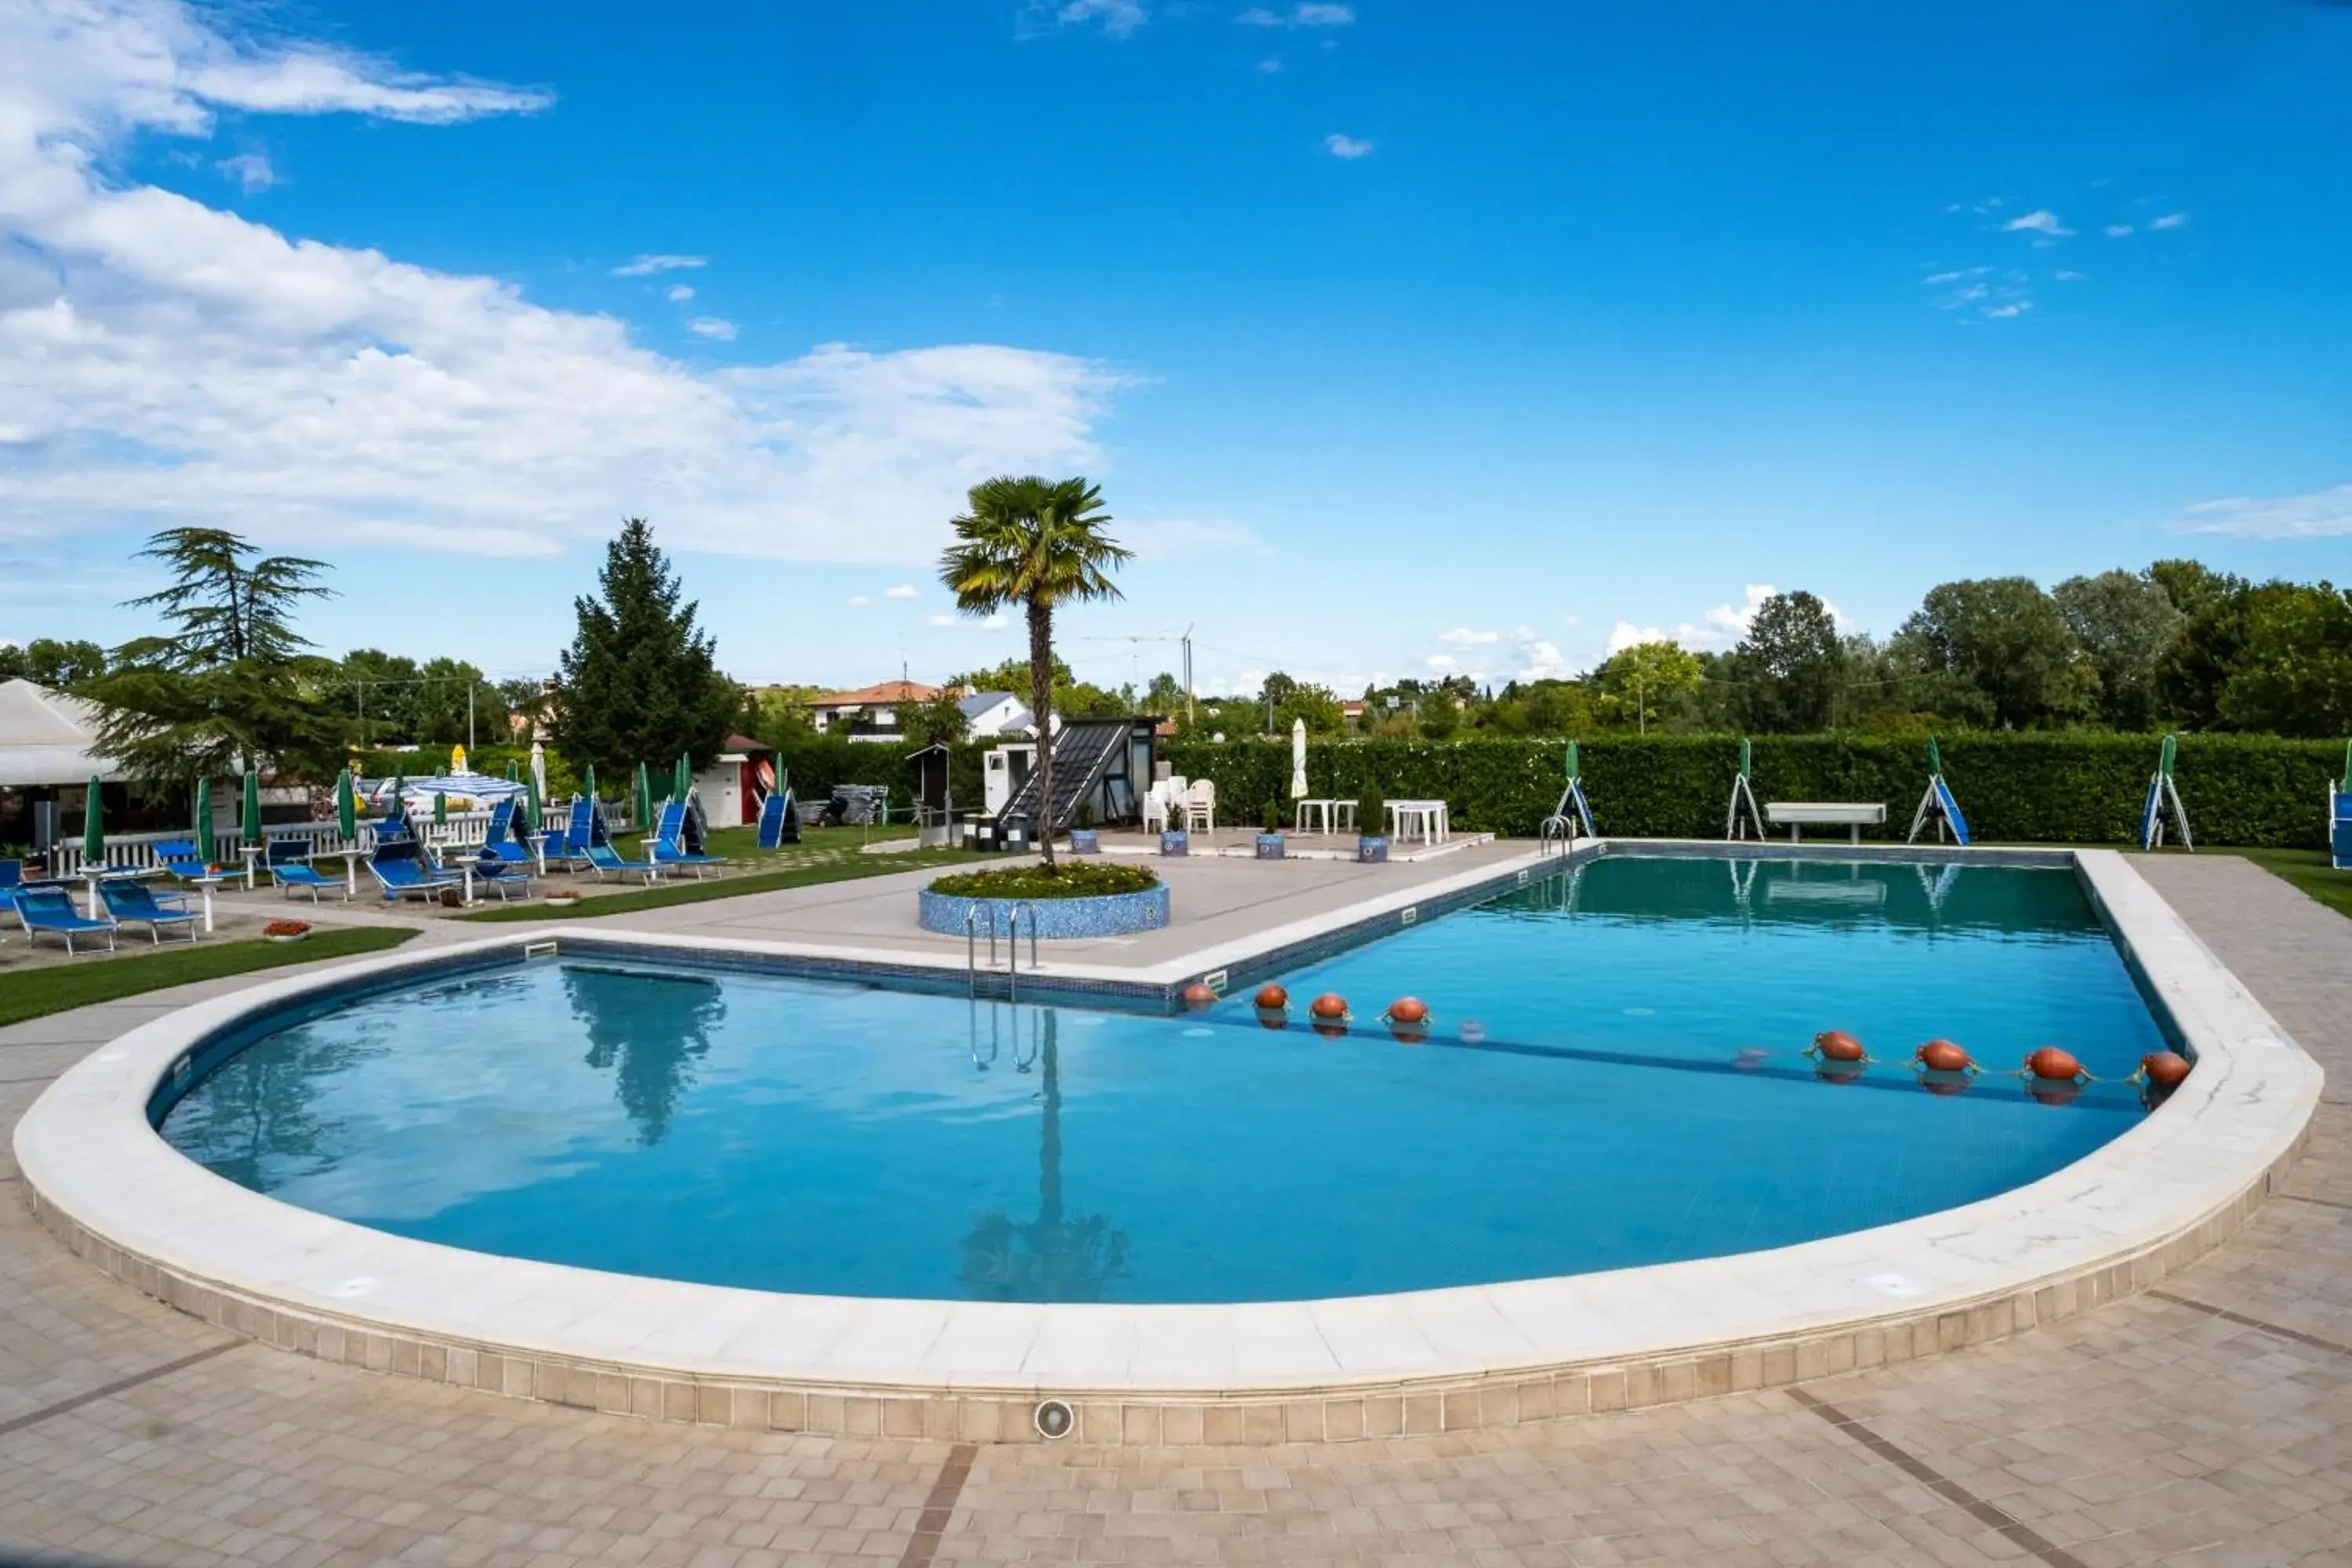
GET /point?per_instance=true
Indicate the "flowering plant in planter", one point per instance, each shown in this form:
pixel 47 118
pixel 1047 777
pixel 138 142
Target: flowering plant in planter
pixel 287 931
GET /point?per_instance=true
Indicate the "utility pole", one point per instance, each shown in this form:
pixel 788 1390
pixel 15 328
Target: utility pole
pixel 470 719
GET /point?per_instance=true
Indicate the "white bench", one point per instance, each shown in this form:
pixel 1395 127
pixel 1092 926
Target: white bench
pixel 1796 815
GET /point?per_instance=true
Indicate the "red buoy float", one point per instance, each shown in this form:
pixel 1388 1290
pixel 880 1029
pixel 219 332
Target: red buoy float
pixel 1272 998
pixel 2166 1069
pixel 1407 1010
pixel 1943 1056
pixel 2051 1064
pixel 1329 1006
pixel 1837 1046
pixel 1200 995
pixel 1273 1019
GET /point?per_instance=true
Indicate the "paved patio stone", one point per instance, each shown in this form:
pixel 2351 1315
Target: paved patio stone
pixel 2209 1423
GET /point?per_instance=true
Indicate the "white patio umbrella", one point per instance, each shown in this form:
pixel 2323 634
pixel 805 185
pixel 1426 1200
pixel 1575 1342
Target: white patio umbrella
pixel 1298 759
pixel 538 768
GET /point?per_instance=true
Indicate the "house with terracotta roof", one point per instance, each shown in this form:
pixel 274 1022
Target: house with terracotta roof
pixel 870 712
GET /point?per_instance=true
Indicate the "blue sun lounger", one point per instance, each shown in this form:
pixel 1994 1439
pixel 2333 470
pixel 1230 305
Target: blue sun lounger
pixel 567 846
pixel 400 868
pixel 780 822
pixel 134 903
pixel 51 910
pixel 2339 828
pixel 677 840
pixel 507 878
pixel 291 868
pixel 603 857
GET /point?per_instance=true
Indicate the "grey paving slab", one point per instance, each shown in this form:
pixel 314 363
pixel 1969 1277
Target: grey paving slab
pixel 2156 1430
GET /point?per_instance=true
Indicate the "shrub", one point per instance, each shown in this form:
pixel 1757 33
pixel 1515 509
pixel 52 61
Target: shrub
pixel 1064 879
pixel 2019 788
pixel 1371 815
pixel 1271 821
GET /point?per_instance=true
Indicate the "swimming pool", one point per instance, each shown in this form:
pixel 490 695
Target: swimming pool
pixel 1612 1078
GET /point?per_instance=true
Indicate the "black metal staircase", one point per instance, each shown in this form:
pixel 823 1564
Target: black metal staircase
pixel 1084 751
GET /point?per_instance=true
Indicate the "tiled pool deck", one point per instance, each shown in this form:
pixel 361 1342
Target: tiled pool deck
pixel 2205 1422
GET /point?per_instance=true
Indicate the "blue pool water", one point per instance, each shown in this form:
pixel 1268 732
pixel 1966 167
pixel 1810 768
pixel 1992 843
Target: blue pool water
pixel 1633 1094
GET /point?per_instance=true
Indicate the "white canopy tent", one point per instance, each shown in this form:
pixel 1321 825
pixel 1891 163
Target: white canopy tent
pixel 47 740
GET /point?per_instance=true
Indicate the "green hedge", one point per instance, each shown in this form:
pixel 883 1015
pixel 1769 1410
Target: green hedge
pixel 2015 788
pixel 817 763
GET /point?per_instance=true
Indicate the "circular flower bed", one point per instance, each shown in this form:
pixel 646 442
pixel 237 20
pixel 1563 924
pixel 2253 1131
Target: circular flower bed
pixel 287 931
pixel 1087 898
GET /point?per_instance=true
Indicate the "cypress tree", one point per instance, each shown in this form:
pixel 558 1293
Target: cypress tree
pixel 639 680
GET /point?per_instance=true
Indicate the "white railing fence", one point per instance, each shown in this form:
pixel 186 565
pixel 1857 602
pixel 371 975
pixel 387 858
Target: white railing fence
pixel 463 830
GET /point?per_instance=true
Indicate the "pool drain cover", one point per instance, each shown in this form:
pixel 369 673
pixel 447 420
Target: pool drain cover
pixel 1053 1419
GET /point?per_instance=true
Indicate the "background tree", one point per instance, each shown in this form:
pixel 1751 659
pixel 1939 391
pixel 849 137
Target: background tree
pixel 2292 672
pixel 1646 684
pixel 941 720
pixel 1072 697
pixel 231 685
pixel 377 691
pixel 2006 639
pixel 2127 623
pixel 442 711
pixel 1787 671
pixel 640 682
pixel 1037 543
pixel 1319 705
pixel 46 661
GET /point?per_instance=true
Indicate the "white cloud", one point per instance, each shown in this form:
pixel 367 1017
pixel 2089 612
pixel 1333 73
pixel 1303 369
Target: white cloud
pixel 2008 313
pixel 1269 66
pixel 995 623
pixel 1719 628
pixel 2172 220
pixel 2065 276
pixel 1340 146
pixel 2323 514
pixel 1309 15
pixel 1626 634
pixel 941 619
pixel 2040 221
pixel 2119 231
pixel 1179 539
pixel 646 265
pixel 712 327
pixel 161 359
pixel 250 170
pixel 903 591
pixel 681 293
pixel 1518 655
pixel 859 600
pixel 1118 17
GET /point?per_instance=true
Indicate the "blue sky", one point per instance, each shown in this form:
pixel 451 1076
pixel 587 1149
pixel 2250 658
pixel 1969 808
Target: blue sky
pixel 1402 338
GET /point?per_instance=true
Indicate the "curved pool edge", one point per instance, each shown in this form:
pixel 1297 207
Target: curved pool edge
pixel 2112 1224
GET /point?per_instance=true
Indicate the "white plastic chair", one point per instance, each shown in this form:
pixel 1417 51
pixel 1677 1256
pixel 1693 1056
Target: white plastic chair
pixel 1201 805
pixel 1155 807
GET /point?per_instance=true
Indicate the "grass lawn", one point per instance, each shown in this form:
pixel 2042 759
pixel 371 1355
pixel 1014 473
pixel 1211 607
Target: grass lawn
pixel 2307 869
pixel 32 992
pixel 823 855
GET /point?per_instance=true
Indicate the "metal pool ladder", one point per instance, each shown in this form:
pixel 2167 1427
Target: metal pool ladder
pixel 1012 946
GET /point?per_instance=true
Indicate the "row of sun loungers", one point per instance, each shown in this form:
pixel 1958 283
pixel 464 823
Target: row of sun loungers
pixel 402 864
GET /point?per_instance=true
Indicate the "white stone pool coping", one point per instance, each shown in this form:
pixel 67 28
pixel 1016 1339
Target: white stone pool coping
pixel 2112 1223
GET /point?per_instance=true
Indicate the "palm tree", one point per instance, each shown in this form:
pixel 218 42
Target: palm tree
pixel 1037 542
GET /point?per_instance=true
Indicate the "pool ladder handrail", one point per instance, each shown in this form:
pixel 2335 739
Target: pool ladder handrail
pixel 1557 827
pixel 1011 946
